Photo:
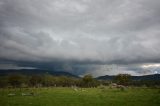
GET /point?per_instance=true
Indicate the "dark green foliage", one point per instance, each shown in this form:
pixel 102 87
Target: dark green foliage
pixel 88 81
pixel 47 80
pixel 36 80
pixel 123 79
pixel 15 80
pixel 3 82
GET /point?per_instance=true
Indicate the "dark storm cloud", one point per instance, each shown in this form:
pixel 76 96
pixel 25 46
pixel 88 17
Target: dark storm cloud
pixel 83 31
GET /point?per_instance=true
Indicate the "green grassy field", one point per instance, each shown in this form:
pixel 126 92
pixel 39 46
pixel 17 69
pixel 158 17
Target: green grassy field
pixel 85 97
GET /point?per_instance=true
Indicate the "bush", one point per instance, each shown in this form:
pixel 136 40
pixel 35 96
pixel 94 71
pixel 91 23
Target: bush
pixel 122 88
pixel 15 80
pixel 101 87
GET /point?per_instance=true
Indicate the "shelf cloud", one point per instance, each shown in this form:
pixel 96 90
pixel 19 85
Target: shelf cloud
pixel 80 32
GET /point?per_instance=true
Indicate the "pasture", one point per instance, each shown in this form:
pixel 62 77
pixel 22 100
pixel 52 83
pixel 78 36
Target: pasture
pixel 61 96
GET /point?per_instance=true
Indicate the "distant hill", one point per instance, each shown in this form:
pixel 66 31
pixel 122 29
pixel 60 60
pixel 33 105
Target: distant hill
pixel 106 77
pixel 145 77
pixel 35 72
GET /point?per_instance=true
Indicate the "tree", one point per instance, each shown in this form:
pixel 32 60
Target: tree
pixel 123 79
pixel 3 82
pixel 87 78
pixel 49 80
pixel 88 81
pixel 36 80
pixel 15 80
pixel 65 81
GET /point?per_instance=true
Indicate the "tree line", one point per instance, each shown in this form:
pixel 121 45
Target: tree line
pixel 47 80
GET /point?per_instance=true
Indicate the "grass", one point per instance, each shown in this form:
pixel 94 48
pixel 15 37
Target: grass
pixel 85 97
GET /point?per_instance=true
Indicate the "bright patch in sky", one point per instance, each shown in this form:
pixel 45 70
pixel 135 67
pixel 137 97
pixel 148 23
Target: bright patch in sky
pixel 151 65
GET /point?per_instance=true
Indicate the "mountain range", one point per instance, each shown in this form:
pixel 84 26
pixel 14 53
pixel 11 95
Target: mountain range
pixel 35 72
pixel 144 77
pixel 63 73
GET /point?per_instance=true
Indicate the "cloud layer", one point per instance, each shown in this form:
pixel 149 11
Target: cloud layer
pixel 102 31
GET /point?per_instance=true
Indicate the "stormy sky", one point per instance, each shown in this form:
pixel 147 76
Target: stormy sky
pixel 81 36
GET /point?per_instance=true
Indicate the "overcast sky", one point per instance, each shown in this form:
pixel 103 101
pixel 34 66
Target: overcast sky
pixel 83 36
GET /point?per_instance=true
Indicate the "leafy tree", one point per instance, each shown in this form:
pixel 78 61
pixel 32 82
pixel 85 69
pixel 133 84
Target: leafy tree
pixel 36 80
pixel 87 78
pixel 3 82
pixel 123 79
pixel 49 80
pixel 15 80
pixel 65 81
pixel 88 81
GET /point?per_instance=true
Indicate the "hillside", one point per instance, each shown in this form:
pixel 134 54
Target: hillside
pixel 145 77
pixel 35 72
